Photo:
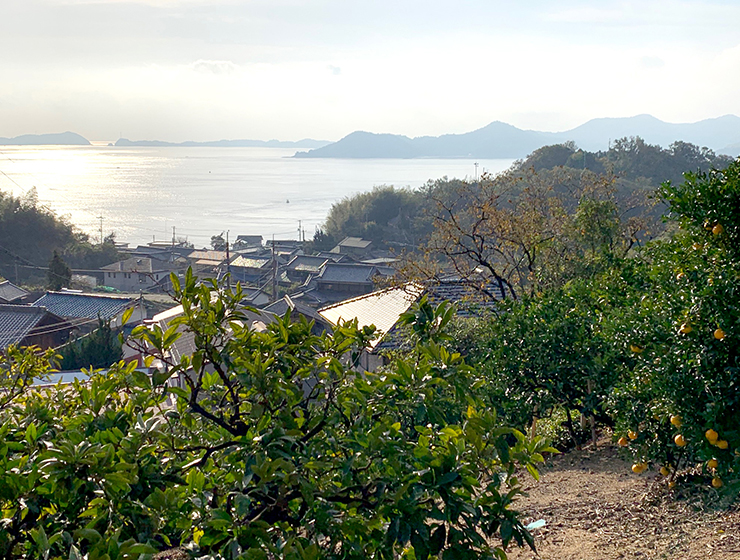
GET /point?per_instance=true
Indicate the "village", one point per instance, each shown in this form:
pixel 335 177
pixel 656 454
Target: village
pixel 353 280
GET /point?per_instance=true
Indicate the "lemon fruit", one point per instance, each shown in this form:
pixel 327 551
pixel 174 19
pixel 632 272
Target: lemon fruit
pixel 717 482
pixel 676 420
pixel 664 471
pixel 719 334
pixel 636 349
pixel 712 464
pixel 711 436
pixel 679 440
pixel 623 441
pixel 638 468
pixel 718 229
pixel 632 435
pixel 722 444
pixel 685 329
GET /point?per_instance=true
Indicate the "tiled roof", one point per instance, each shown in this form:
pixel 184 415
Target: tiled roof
pixel 17 322
pixel 349 273
pixel 354 243
pixel 135 264
pixel 185 344
pixel 207 255
pixel 11 292
pixel 467 296
pixel 381 308
pixel 83 306
pixel 247 262
pixel 307 263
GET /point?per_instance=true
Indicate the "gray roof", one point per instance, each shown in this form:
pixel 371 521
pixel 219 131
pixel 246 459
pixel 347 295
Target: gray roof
pixel 142 265
pixel 355 243
pixel 10 292
pixel 83 306
pixel 348 273
pixel 17 322
pixel 307 263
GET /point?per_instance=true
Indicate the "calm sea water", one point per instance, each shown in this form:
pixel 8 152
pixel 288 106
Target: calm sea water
pixel 142 193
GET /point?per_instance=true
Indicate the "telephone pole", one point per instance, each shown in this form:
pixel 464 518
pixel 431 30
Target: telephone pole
pixel 274 270
pixel 101 229
pixel 228 263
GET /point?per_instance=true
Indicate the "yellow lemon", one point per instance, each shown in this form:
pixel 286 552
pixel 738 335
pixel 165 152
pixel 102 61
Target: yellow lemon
pixel 664 471
pixel 679 440
pixel 718 229
pixel 722 444
pixel 632 435
pixel 711 436
pixel 623 442
pixel 637 468
pixel 717 482
pixel 636 349
pixel 719 334
pixel 685 329
pixel 712 464
pixel 676 420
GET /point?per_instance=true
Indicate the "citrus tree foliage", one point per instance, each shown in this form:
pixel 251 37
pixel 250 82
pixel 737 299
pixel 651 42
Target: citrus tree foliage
pixel 270 445
pixel 551 352
pixel 98 349
pixel 681 403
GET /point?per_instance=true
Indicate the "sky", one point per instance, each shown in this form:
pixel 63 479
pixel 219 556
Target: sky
pixel 289 69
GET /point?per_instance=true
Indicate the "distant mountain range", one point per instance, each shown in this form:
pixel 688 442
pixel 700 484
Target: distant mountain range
pixel 305 143
pixel 61 139
pixel 501 140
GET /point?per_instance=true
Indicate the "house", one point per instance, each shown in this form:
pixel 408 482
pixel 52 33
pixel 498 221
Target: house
pixel 207 264
pixel 184 346
pixel 254 297
pixel 300 267
pixel 341 281
pixel 381 308
pixel 353 246
pixel 26 325
pixel 84 310
pixel 10 293
pixel 253 270
pixel 136 274
pixel 247 241
pixel 298 310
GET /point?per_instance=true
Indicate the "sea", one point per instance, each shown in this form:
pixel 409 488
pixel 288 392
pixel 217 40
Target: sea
pixel 145 194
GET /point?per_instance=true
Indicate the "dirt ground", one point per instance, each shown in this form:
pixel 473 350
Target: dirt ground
pixel 595 508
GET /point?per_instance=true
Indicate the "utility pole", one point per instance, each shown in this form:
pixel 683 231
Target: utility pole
pixel 299 230
pixel 476 170
pixel 274 270
pixel 228 263
pixel 101 229
pixel 173 236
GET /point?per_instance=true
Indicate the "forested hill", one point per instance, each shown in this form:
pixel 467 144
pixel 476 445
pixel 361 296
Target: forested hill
pixel 57 139
pixel 501 140
pixel 30 234
pixel 391 216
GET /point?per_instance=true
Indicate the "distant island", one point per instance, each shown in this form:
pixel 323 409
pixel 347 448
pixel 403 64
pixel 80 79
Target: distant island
pixel 501 140
pixel 57 139
pixel 305 143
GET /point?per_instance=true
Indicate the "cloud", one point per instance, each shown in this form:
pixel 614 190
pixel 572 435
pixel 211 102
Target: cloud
pixel 219 67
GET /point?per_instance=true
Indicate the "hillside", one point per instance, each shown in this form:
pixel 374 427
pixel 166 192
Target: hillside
pixel 596 509
pixel 58 139
pixel 501 140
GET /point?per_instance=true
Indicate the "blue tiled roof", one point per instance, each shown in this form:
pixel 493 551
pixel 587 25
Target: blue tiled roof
pixel 83 306
pixel 17 321
pixel 10 292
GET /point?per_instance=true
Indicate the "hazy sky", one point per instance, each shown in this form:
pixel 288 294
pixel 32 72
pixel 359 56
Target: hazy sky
pixel 289 69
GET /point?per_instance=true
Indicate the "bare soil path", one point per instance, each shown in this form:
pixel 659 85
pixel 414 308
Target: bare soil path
pixel 595 508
